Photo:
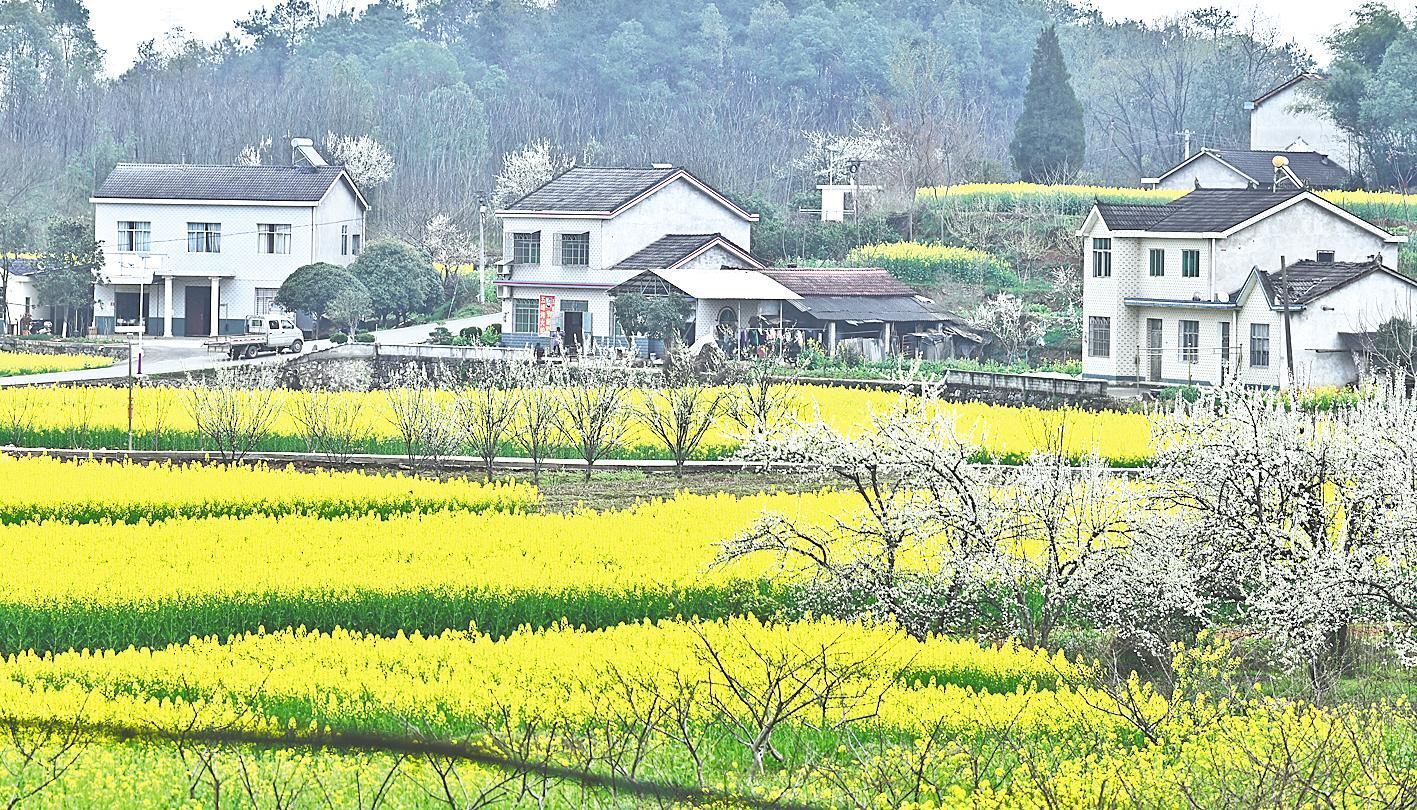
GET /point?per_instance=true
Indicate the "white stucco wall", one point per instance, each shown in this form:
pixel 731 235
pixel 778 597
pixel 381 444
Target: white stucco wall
pixel 1278 123
pixel 1298 232
pixel 677 208
pixel 1204 172
pixel 1361 306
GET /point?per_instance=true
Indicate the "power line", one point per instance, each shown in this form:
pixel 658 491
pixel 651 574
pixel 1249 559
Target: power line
pixel 387 743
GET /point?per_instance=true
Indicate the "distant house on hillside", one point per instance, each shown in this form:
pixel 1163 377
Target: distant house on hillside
pixel 1193 292
pixel 575 238
pixel 1287 118
pixel 1240 168
pixel 192 250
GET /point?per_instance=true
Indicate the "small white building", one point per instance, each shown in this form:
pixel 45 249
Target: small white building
pixel 1241 168
pixel 1288 118
pixel 571 241
pixel 192 250
pixel 1169 292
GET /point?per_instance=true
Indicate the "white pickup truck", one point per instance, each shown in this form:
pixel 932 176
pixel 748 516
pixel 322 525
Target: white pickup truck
pixel 264 333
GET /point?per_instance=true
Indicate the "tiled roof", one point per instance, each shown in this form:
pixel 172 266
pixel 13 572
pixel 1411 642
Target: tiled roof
pixel 592 189
pixel 1310 280
pixel 1130 216
pixel 1205 210
pixel 857 308
pixel 24 267
pixel 175 181
pixel 840 281
pixel 1313 169
pixel 667 252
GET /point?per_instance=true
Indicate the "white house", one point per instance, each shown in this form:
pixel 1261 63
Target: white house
pixel 1287 118
pixel 192 250
pixel 1184 292
pixel 1252 168
pixel 574 239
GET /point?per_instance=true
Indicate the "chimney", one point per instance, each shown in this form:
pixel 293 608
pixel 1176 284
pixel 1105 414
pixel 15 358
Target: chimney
pixel 302 153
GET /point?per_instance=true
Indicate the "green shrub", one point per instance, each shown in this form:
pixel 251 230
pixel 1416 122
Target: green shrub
pixel 339 338
pixel 364 337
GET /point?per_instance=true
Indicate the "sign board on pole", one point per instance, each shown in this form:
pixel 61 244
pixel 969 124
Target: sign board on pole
pixel 546 315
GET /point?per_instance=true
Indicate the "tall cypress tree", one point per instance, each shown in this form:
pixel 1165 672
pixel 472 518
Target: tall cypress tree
pixel 1048 139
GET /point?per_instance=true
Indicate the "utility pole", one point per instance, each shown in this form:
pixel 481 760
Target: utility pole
pixel 481 249
pixel 1186 141
pixel 1288 335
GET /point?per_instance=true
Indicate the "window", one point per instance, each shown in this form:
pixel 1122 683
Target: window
pixel 1101 258
pixel 1099 336
pixel 265 300
pixel 1158 262
pixel 524 315
pixel 344 240
pixel 287 324
pixel 272 238
pixel 204 237
pixel 575 249
pixel 1190 264
pixel 135 237
pixel 1190 341
pixel 526 248
pixel 356 244
pixel 1325 256
pixel 1259 345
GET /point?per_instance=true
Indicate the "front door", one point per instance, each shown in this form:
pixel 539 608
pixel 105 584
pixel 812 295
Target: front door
pixel 573 325
pixel 198 320
pixel 1153 349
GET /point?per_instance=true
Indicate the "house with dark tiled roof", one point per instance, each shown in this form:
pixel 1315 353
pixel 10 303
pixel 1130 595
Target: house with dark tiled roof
pixel 1253 168
pixel 1185 292
pixel 192 250
pixel 571 241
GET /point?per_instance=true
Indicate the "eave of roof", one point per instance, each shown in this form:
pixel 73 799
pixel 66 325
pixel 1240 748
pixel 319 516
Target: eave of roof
pixel 514 211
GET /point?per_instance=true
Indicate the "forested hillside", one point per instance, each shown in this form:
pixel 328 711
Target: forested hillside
pixel 728 88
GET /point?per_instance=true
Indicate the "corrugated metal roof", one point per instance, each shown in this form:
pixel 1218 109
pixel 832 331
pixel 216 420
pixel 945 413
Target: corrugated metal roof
pixel 172 181
pixel 865 309
pixel 728 285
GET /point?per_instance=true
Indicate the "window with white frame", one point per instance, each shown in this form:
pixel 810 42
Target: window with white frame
pixel 265 301
pixel 526 248
pixel 1101 258
pixel 1157 260
pixel 1190 264
pixel 1190 341
pixel 135 237
pixel 575 249
pixel 524 315
pixel 1099 336
pixel 272 238
pixel 204 237
pixel 1324 256
pixel 356 243
pixel 1259 345
pixel 344 240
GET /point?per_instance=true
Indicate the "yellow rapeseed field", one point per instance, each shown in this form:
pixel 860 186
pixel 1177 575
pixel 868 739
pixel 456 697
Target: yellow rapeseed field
pixel 13 364
pixel 47 489
pixel 97 417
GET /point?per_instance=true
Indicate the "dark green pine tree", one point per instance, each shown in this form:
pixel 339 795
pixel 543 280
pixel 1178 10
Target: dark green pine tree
pixel 1048 139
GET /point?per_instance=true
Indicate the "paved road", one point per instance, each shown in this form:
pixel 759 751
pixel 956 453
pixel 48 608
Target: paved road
pixel 180 355
pixel 418 334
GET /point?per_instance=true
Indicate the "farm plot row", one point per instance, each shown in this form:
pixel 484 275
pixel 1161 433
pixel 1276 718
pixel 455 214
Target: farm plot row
pixel 94 418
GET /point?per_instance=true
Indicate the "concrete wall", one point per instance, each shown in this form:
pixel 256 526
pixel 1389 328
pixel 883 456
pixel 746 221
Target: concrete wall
pixel 1207 172
pixel 1362 306
pixel 1278 123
